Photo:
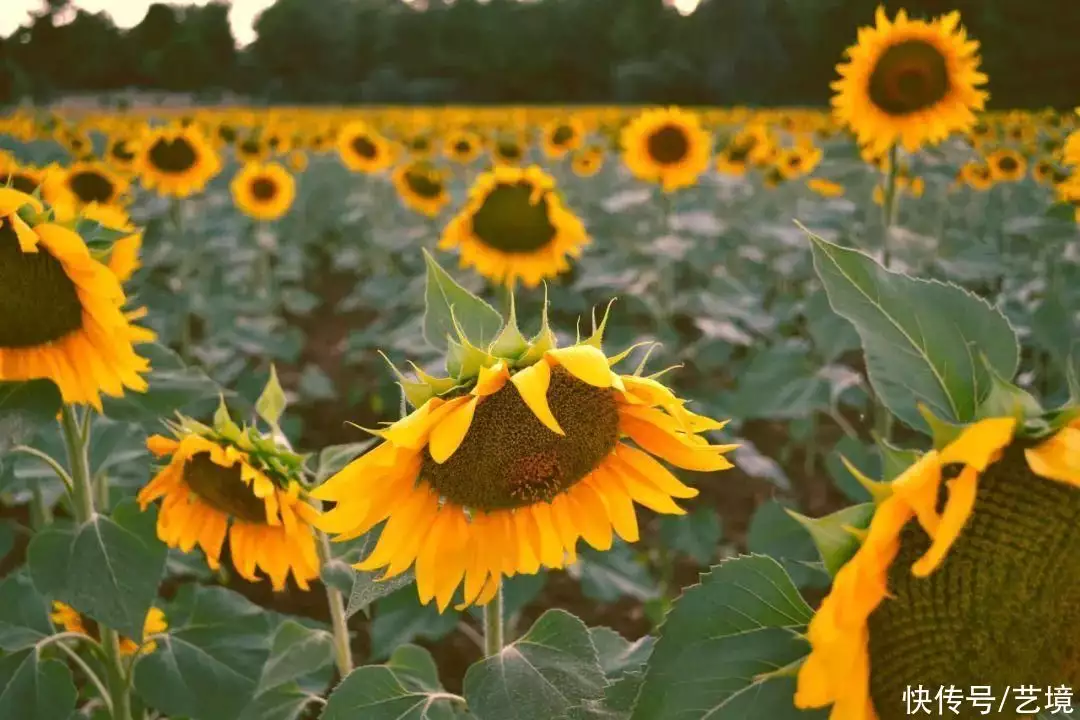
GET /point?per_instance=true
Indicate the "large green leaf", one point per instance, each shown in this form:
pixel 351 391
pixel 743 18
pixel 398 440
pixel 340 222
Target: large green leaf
pixel 696 535
pixel 296 652
pixel 173 386
pixel 24 613
pixel 479 321
pixel 742 621
pixel 550 670
pixel 32 688
pixel 400 618
pixel 377 692
pixel 922 338
pixel 608 576
pixel 24 408
pixel 107 568
pixel 618 656
pixel 210 665
pixel 775 533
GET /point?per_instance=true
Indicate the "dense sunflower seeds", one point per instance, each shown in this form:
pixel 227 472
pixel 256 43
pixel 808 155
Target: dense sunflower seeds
pixel 38 302
pixel 366 149
pixel 264 189
pixel 1001 610
pixel 510 459
pixel 222 489
pixel 424 185
pixel 510 220
pixel 668 145
pixel 910 76
pixel 90 186
pixel 174 156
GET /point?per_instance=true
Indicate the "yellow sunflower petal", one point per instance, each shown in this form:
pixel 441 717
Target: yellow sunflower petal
pixel 962 492
pixel 447 436
pixel 585 362
pixel 532 385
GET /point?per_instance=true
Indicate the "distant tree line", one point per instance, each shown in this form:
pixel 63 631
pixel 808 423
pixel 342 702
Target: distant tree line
pixel 728 52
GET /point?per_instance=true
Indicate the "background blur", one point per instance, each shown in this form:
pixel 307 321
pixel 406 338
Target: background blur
pixel 724 52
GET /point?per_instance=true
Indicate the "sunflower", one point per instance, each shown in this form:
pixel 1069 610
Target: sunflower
pixel 73 621
pixel 122 257
pixel 587 161
pixel 421 187
pixel 263 191
pixel 732 160
pixel 1044 171
pixel 297 160
pixel 825 188
pixel 227 480
pixel 362 149
pixel 121 153
pixel 666 146
pixel 508 149
pixel 61 315
pixel 503 466
pixel 1070 151
pixel 462 146
pixel 176 161
pixel 250 148
pixel 561 136
pixel 797 161
pixel 1006 165
pixel 24 178
pixel 84 183
pixel 909 81
pixel 513 226
pixel 965 565
pixel 976 175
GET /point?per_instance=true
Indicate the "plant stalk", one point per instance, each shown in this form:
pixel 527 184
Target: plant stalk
pixel 338 622
pixel 82 503
pixel 883 419
pixel 493 624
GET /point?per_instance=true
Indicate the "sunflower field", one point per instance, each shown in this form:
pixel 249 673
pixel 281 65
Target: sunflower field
pixel 545 412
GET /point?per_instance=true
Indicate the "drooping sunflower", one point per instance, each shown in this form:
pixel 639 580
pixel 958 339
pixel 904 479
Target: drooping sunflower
pixel 515 226
pixel 462 146
pixel 362 149
pixel 421 187
pixel 233 481
pixel 561 136
pixel 176 161
pixel 263 191
pixel 1006 165
pixel 72 620
pixel 966 564
pixel 84 183
pixel 667 146
pixel 61 310
pixel 911 82
pixel 121 153
pixel 503 466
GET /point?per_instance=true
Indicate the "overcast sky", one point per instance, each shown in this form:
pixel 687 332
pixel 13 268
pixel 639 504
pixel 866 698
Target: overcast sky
pixel 128 13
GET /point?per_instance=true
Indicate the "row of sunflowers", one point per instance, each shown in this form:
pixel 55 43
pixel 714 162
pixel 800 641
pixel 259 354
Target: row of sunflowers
pixel 158 270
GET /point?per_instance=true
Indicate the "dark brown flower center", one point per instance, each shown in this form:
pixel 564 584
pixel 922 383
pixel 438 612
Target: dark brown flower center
pixel 424 185
pixel 668 145
pixel 222 489
pixel 363 147
pixel 462 147
pixel 227 133
pixel 510 221
pixel 909 76
pixel 510 459
pixel 738 152
pixel 1008 164
pixel 121 152
pixel 20 182
pixel 91 186
pixel 509 150
pixel 1001 610
pixel 264 189
pixel 174 156
pixel 38 301
pixel 250 147
pixel 562 135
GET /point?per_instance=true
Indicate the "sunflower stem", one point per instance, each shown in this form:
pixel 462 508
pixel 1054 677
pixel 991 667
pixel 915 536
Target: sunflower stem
pixel 883 420
pixel 77 439
pixel 493 624
pixel 338 621
pixel 40 513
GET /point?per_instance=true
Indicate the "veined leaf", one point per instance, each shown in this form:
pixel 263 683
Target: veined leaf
pixel 35 689
pixel 477 320
pixel 376 692
pixel 25 407
pixel 922 338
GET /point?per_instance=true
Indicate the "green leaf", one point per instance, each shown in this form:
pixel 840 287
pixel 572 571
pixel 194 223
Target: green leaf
pixel 696 534
pixel 479 322
pixel 296 651
pixel 618 572
pixel 24 613
pixel 895 460
pixel 210 665
pixel 26 407
pixel 617 655
pixel 107 568
pixel 400 618
pixel 35 689
pixel 271 403
pixel 376 692
pixel 1007 400
pixel 415 667
pixel 922 338
pixel 834 542
pixel 743 620
pixel 288 702
pixel 775 533
pixel 550 670
pixel 859 454
pixel 334 458
pixel 173 387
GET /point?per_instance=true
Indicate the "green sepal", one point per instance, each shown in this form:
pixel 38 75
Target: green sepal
pixel 510 343
pixel 271 403
pixel 543 341
pixel 597 337
pixel 1007 400
pixel 619 357
pixel 894 460
pixel 416 392
pixel 96 236
pixel 645 359
pixel 223 423
pixel 440 385
pixel 836 535
pixel 464 360
pixel 942 432
pixel 879 491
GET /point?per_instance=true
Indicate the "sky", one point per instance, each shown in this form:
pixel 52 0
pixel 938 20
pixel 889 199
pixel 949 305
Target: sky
pixel 128 13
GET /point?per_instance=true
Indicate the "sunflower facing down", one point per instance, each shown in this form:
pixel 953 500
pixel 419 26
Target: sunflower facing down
pixel 362 149
pixel 72 620
pixel 501 468
pixel 909 81
pixel 514 226
pixel 966 566
pixel 84 183
pixel 176 161
pixel 667 146
pixel 61 310
pixel 421 187
pixel 231 481
pixel 263 191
